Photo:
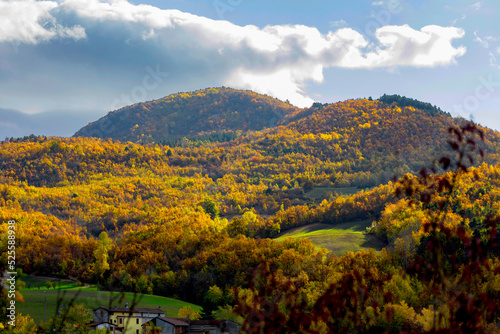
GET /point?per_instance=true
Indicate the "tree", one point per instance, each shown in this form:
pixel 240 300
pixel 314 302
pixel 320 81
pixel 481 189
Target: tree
pixel 187 311
pixel 100 331
pixel 73 321
pixel 213 299
pixel 101 255
pixel 236 226
pixel 211 208
pixel 308 186
pixel 226 312
pixel 24 324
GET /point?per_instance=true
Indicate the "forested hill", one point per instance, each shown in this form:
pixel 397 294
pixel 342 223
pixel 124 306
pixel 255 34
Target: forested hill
pixel 360 143
pixel 190 114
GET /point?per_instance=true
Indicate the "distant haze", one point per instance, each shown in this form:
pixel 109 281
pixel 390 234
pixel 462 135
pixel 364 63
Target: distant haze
pixel 61 123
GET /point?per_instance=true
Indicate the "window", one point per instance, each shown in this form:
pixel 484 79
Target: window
pixel 121 321
pixel 114 321
pixel 137 331
pixel 137 321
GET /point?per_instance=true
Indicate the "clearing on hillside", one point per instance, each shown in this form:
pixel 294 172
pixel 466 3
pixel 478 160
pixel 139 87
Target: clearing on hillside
pixel 338 239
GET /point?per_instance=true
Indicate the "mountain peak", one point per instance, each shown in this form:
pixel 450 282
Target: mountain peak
pixel 190 114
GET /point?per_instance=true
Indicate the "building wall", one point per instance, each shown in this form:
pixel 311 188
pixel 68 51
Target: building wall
pixel 101 315
pixel 167 328
pixel 231 327
pixel 205 329
pixel 132 323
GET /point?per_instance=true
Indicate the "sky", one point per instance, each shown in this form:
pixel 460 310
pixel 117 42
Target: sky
pixel 88 57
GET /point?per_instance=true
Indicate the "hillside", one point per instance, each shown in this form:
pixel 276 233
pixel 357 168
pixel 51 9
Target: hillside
pixel 338 239
pixel 189 114
pixel 351 143
pixel 192 219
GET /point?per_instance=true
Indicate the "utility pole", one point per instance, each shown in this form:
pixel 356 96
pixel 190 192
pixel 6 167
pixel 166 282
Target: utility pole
pixel 45 308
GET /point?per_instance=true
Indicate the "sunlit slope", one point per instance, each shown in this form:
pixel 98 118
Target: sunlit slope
pixel 338 239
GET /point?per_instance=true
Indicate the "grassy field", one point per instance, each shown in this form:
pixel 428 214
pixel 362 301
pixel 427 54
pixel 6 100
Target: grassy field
pixel 68 291
pixel 339 239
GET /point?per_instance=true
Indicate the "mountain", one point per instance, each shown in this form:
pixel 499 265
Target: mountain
pixel 190 114
pixel 355 143
pixel 358 142
pixel 14 123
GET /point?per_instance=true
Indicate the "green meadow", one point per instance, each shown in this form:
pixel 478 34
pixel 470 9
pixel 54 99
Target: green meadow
pixel 338 239
pixel 68 292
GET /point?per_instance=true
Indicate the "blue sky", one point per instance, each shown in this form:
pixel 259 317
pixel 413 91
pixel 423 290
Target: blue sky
pixel 93 56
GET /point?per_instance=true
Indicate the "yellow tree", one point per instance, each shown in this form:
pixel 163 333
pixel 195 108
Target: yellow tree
pixel 101 254
pixel 187 311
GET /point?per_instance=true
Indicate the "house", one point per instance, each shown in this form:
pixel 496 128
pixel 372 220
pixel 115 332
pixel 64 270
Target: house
pixel 104 325
pixel 166 325
pixel 127 320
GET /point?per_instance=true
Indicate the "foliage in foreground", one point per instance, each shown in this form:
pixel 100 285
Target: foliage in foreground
pixel 450 284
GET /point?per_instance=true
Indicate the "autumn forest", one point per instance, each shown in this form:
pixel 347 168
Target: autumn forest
pixel 185 197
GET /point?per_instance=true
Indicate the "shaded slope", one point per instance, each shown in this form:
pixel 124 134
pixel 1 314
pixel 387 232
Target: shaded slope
pixel 189 114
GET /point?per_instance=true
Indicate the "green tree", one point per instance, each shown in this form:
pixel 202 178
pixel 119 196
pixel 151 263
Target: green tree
pixel 226 312
pixel 213 299
pixel 74 321
pixel 211 208
pixel 214 295
pixel 100 331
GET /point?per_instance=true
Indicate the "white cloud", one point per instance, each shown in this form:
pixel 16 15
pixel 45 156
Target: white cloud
pixel 458 19
pixel 484 41
pixel 285 83
pixel 30 21
pixel 377 3
pixel 477 5
pixel 338 24
pixel 498 50
pixel 276 60
pixel 429 47
pixel 479 40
